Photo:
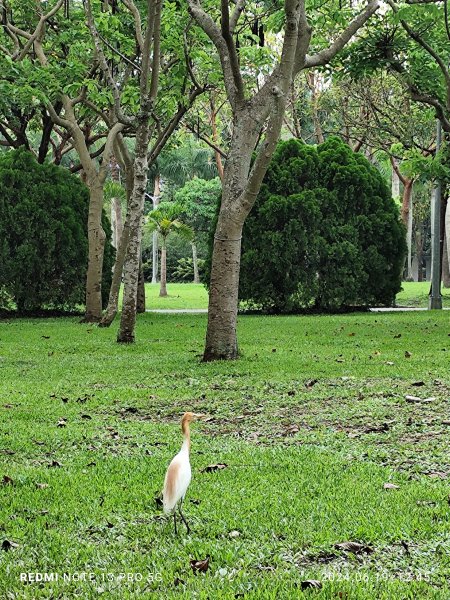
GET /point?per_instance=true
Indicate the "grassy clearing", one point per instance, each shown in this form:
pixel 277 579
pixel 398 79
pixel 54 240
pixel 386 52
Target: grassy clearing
pixel 189 296
pixel 312 421
pixel 180 296
pixel 415 294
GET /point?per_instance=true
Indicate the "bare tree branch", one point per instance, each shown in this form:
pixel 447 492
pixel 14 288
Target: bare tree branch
pixel 104 65
pixel 234 61
pixel 324 56
pixel 205 21
pixel 206 139
pixel 137 22
pixel 238 8
pixel 39 30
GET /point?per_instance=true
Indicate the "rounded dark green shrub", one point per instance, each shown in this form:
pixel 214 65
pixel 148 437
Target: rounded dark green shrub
pixel 43 235
pixel 324 232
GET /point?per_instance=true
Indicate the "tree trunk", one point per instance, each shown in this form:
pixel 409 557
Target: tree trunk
pixel 195 263
pixel 156 195
pixel 113 301
pixel 315 107
pixel 408 191
pixel 140 301
pixel 133 255
pixel 446 257
pixel 116 207
pixel 395 190
pixel 116 221
pixel 445 266
pixel 419 254
pixel 406 201
pixel 96 238
pixel 221 340
pixel 163 284
pixel 409 241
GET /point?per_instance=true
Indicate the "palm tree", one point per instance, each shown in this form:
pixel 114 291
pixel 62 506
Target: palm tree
pixel 187 161
pixel 164 220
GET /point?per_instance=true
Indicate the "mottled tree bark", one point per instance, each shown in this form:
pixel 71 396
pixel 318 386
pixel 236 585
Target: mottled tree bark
pixel 163 275
pixel 126 163
pixel 395 187
pixel 96 239
pixel 133 252
pixel 156 195
pixel 140 300
pixel 446 258
pixel 407 218
pixel 445 266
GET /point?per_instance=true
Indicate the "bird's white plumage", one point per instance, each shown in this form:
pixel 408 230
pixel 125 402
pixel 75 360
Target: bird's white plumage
pixel 177 480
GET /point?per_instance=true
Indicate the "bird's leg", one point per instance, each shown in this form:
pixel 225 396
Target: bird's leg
pixel 183 517
pixel 175 520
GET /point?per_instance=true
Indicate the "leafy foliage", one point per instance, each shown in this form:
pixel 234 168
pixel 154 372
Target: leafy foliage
pixel 165 221
pixel 184 271
pixel 43 233
pixel 324 232
pixel 198 200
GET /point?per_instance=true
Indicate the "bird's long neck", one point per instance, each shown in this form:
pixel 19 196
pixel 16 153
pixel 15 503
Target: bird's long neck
pixel 187 437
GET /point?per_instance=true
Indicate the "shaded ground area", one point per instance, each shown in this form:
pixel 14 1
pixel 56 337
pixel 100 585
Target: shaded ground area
pixel 309 435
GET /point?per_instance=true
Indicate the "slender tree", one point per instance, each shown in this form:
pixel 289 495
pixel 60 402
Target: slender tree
pixel 165 222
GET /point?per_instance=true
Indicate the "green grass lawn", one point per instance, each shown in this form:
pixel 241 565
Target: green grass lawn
pixel 180 296
pixel 416 293
pixel 190 296
pixel 312 422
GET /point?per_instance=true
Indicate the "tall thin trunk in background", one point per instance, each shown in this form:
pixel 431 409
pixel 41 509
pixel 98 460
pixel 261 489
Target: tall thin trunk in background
pixel 116 206
pixel 406 208
pixel 409 191
pixel 445 266
pixel 195 262
pixel 312 83
pixel 156 196
pixel 113 301
pixel 395 189
pixel 419 253
pixel 163 278
pixel 140 300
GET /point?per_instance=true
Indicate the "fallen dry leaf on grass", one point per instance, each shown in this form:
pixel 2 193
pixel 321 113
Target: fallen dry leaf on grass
pixel 354 547
pixel 391 486
pixel 200 565
pixel 7 545
pixel 211 468
pixel 311 583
